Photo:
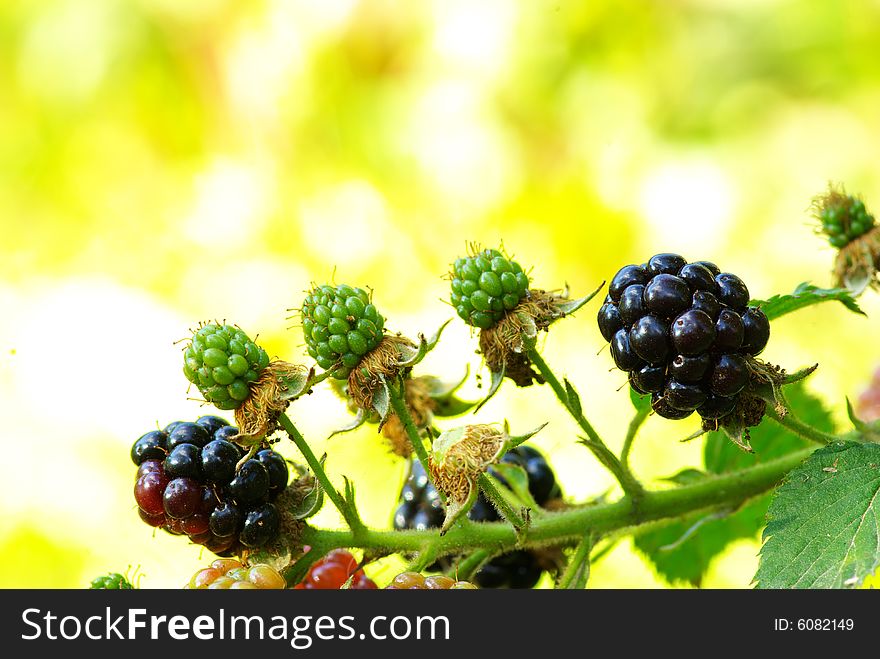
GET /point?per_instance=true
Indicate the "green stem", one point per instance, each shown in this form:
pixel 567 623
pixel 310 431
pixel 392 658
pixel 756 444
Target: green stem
pixel 631 433
pixel 798 427
pixel 627 481
pixel 577 572
pixel 398 404
pixel 569 527
pixel 348 514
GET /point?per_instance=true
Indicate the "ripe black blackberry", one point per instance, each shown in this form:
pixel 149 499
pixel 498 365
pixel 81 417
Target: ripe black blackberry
pixel 187 483
pixel 684 333
pixel 420 508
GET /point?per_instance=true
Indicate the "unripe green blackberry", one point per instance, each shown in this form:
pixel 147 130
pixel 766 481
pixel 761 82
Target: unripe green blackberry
pixel 485 286
pixel 843 217
pixel 340 325
pixel 221 361
pixel 112 581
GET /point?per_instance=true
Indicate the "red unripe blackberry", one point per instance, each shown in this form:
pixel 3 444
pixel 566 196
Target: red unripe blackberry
pixel 330 572
pixel 192 486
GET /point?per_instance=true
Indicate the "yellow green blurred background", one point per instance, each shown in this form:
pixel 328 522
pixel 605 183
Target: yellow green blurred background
pixel 165 162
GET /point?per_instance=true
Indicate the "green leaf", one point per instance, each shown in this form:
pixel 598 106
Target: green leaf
pixel 432 342
pixel 516 440
pixel 311 502
pixel 570 306
pixel 642 403
pixel 824 521
pixel 443 394
pixel 456 511
pixel 682 551
pixel 295 383
pixel 359 420
pixel 858 424
pixel 517 481
pixel 686 477
pixel 410 356
pixel 452 406
pixel 382 402
pixel 497 379
pixel 806 295
pixel 574 401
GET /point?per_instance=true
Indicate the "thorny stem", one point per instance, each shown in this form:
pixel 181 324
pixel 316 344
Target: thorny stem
pixel 398 403
pixel 350 516
pixel 627 481
pixel 569 527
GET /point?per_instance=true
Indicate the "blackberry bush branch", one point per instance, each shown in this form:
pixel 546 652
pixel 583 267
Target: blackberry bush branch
pixel 593 441
pixel 568 527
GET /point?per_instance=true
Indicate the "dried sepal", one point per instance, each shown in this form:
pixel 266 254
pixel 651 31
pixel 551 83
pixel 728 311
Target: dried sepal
pixel 381 365
pixel 279 383
pixel 765 387
pixel 458 458
pixel 505 345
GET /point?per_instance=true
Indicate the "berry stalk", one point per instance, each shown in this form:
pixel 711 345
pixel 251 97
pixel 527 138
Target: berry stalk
pixel 632 430
pixel 348 513
pixel 396 394
pixel 594 442
pixel 792 423
pixel 568 527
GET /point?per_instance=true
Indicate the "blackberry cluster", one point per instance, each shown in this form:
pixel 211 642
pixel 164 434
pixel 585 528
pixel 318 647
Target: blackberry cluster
pixel 683 331
pixel 221 361
pixel 485 286
pixel 844 218
pixel 340 325
pixel 330 572
pixel 187 484
pixel 230 574
pixel 421 509
pixel 417 581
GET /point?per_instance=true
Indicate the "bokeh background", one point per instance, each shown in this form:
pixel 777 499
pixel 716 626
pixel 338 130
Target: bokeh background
pixel 164 162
